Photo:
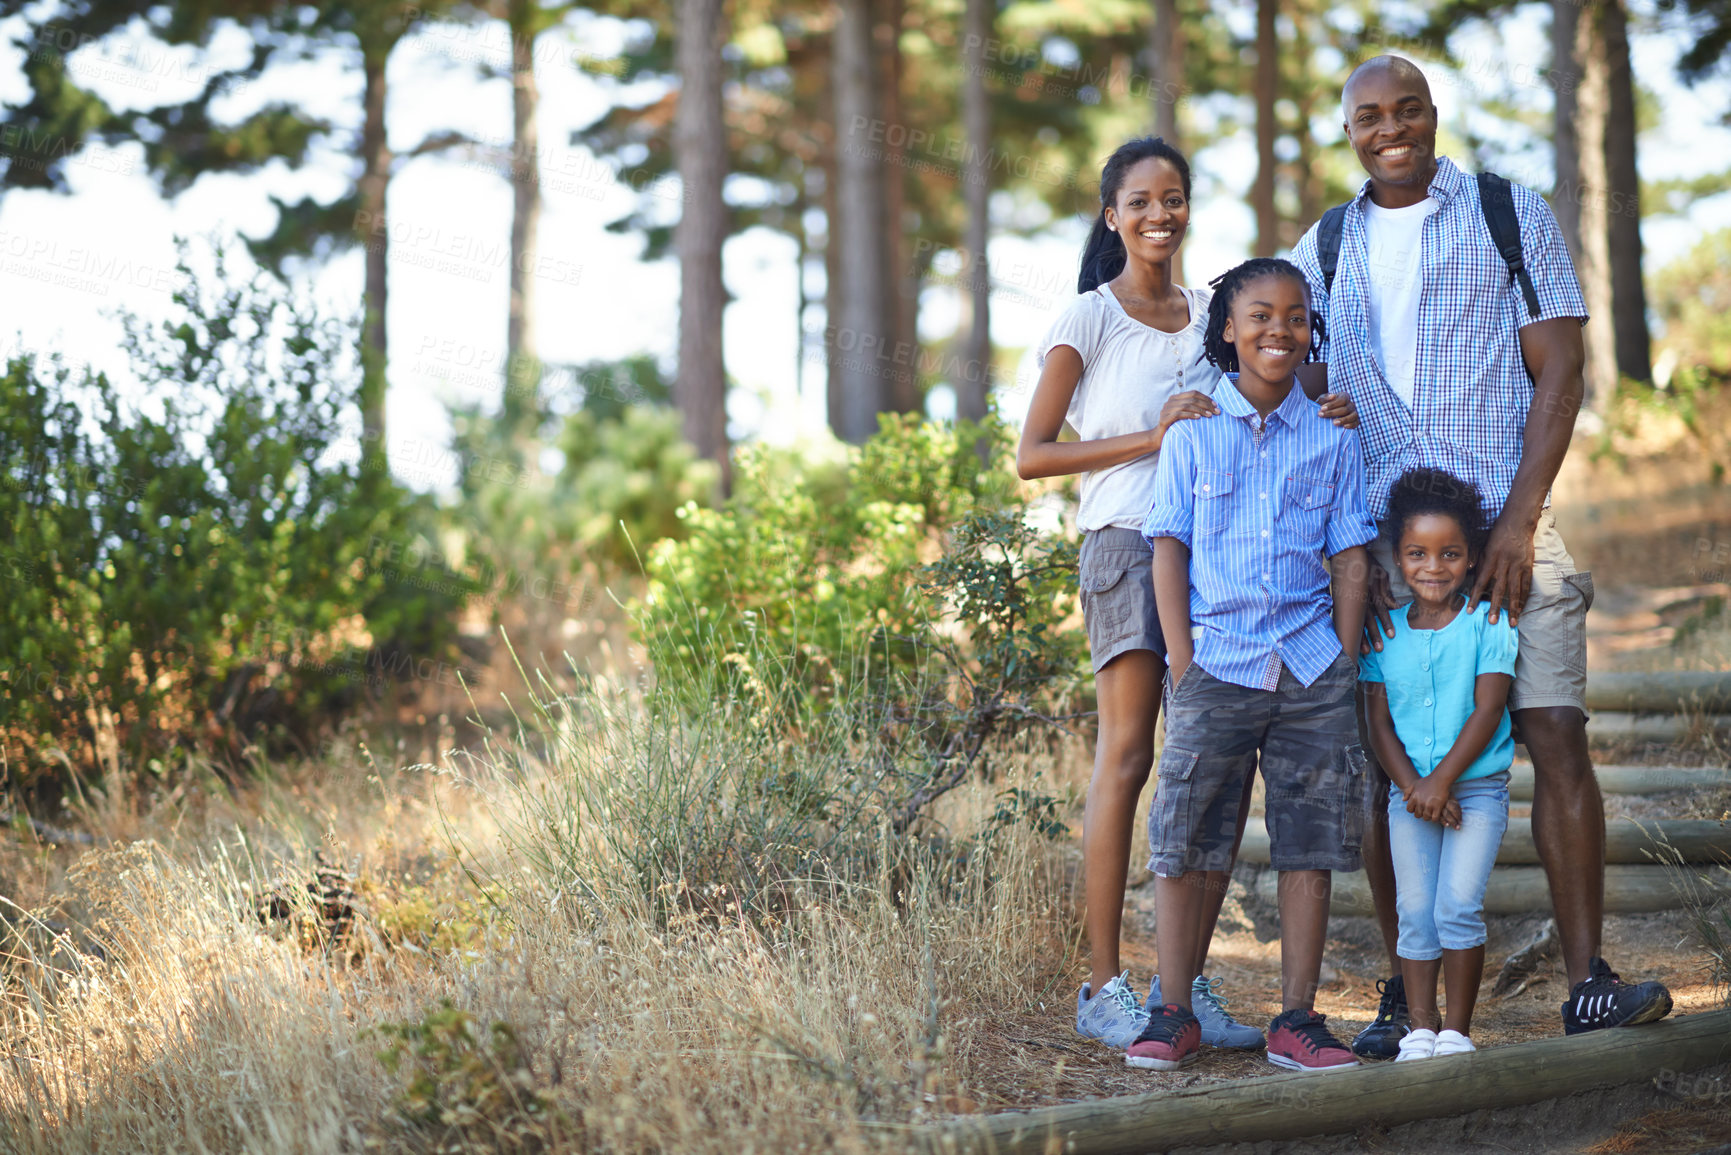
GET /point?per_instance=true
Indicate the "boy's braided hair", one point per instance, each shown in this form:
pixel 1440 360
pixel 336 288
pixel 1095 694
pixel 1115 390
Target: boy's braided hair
pixel 1436 491
pixel 1219 351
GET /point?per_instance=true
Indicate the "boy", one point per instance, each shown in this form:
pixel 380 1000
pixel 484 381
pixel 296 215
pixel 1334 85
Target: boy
pixel 1261 663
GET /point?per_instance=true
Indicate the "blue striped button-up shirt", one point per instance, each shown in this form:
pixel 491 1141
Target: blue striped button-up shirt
pixel 1471 391
pixel 1259 511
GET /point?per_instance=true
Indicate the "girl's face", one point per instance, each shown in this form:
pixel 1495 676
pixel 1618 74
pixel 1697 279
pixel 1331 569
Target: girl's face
pixel 1150 211
pixel 1433 557
pixel 1270 327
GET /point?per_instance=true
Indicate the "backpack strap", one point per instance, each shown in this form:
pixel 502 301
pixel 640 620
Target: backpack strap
pixel 1328 244
pixel 1497 201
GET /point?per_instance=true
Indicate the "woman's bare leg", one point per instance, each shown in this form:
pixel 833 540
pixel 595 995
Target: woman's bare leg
pixel 1128 688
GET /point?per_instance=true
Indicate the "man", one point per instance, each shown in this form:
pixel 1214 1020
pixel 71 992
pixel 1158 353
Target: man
pixel 1452 367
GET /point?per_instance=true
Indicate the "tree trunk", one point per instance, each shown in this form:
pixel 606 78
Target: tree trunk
pixel 700 148
pixel 1166 85
pixel 861 326
pixel 522 359
pixel 1267 87
pixel 375 239
pixel 1628 291
pixel 1580 196
pixel 901 382
pixel 974 378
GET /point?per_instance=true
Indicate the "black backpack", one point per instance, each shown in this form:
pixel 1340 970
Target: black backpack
pixel 1495 200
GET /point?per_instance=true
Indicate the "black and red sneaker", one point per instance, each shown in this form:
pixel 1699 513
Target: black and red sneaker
pixel 1602 999
pixel 1172 1039
pixel 1300 1040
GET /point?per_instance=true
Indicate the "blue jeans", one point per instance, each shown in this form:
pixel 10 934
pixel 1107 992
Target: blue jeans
pixel 1440 874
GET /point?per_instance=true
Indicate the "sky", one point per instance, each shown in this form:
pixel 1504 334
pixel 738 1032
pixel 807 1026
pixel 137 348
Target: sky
pixel 68 264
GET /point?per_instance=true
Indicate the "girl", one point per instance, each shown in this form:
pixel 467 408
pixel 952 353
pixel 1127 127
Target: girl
pixel 1121 364
pixel 1436 701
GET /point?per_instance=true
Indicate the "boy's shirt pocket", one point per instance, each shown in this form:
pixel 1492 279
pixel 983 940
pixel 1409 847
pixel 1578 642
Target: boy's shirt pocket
pixel 1304 506
pixel 1212 491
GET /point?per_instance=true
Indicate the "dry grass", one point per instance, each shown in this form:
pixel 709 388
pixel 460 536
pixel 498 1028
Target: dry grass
pixel 148 1008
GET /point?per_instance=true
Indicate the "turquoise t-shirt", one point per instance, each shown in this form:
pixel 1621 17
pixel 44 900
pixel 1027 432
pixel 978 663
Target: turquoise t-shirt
pixel 1429 677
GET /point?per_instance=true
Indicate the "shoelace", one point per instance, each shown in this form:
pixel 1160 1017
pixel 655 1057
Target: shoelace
pixel 1211 995
pixel 1126 1000
pixel 1313 1031
pixel 1385 1011
pixel 1162 1027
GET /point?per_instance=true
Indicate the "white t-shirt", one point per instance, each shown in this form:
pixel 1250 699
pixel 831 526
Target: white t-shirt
pixel 1396 282
pixel 1129 370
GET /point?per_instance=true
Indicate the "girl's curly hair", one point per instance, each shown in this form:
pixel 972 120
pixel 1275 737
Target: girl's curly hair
pixel 1436 491
pixel 1219 351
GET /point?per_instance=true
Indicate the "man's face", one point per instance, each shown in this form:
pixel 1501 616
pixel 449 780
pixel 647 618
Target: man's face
pixel 1391 124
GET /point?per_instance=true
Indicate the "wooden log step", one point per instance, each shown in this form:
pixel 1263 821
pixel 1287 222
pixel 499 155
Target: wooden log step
pixel 1523 889
pixel 1291 1106
pixel 1608 726
pixel 1664 692
pixel 1631 779
pixel 1627 840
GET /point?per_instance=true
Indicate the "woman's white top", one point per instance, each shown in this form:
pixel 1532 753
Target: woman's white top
pixel 1129 370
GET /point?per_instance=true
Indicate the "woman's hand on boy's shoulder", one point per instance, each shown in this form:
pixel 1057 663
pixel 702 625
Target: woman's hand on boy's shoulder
pixel 1186 406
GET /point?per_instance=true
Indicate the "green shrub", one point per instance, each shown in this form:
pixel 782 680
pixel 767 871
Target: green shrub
pixel 819 560
pixel 191 559
pixel 468 1092
pixel 626 473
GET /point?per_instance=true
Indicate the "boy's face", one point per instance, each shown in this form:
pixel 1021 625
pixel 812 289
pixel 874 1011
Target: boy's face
pixel 1433 557
pixel 1270 327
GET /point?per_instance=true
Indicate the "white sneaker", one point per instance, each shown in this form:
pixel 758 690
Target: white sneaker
pixel 1419 1044
pixel 1452 1043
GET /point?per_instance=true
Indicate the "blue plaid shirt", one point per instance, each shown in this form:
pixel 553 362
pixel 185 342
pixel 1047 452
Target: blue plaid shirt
pixel 1471 391
pixel 1258 512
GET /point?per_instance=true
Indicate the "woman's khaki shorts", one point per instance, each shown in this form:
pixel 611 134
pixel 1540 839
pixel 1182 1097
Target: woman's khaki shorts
pixel 1116 572
pixel 1551 667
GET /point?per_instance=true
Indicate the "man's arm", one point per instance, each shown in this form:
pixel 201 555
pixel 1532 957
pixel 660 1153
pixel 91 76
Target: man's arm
pixel 1554 353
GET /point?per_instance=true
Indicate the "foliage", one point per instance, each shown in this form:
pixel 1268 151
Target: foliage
pixel 190 560
pixel 836 648
pixel 625 473
pixel 1692 295
pixel 811 558
pixel 473 1093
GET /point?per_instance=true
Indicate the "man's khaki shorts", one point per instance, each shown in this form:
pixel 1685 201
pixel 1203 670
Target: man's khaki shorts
pixel 1551 668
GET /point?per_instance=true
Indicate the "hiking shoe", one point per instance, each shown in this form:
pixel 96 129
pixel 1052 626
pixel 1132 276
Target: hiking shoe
pixel 1172 1039
pixel 1381 1040
pixel 1220 1029
pixel 1419 1044
pixel 1114 1016
pixel 1453 1043
pixel 1604 1000
pixel 1299 1040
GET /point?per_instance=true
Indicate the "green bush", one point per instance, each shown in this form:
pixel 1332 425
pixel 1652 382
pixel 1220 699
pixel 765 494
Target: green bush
pixel 626 473
pixel 816 559
pixel 192 556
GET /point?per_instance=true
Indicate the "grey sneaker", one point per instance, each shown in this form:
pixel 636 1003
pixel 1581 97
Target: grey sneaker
pixel 1220 1029
pixel 1114 1016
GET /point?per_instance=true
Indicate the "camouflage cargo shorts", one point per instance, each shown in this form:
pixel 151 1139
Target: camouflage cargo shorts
pixel 1313 771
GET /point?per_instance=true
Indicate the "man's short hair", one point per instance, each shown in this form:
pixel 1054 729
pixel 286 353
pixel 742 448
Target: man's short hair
pixel 1399 65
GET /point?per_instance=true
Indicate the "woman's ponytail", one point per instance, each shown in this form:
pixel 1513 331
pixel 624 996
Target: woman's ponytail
pixel 1102 256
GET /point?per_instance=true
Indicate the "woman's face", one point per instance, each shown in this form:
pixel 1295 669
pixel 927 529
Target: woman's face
pixel 1150 211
